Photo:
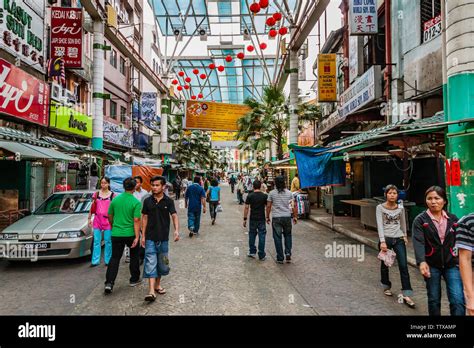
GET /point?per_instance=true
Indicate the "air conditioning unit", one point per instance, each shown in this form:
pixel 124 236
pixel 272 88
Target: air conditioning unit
pixel 69 98
pixel 177 35
pixel 56 92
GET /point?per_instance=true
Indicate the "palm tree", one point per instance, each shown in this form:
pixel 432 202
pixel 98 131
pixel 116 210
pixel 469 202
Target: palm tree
pixel 267 122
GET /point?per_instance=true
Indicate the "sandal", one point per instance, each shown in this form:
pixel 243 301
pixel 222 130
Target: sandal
pixel 160 291
pixel 150 297
pixel 388 292
pixel 408 301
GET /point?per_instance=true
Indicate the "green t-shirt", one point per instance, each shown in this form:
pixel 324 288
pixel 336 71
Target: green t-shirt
pixel 124 208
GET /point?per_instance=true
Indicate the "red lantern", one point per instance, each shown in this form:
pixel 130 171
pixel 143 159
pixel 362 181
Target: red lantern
pixel 195 71
pixel 228 59
pixel 181 73
pixel 263 3
pixel 272 33
pixel 241 55
pixel 255 8
pixel 202 76
pixel 200 96
pixel 186 86
pixel 220 68
pixel 271 21
pixel 250 48
pixel 277 16
pixel 187 79
pixel 283 31
pixel 179 88
pixel 174 82
pixel 212 66
pixel 193 97
pixel 263 45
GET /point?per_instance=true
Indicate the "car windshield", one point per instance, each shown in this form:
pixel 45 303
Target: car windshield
pixel 66 203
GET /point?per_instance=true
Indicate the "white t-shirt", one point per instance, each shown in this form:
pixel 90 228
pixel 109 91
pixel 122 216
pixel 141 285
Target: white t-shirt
pixel 140 195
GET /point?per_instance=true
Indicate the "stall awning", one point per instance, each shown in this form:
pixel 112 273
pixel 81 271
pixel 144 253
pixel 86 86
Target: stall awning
pixel 28 151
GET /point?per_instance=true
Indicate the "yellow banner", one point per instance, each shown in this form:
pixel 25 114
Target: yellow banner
pixel 111 17
pixel 213 116
pixel 327 78
pixel 223 136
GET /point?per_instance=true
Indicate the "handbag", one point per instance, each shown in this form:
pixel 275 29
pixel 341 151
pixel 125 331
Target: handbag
pixel 219 209
pixel 94 203
pixel 388 257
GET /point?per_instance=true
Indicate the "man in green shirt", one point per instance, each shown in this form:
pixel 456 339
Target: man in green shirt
pixel 124 217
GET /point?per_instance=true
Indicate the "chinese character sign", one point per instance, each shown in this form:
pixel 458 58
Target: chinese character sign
pixel 363 17
pixel 66 35
pixel 327 78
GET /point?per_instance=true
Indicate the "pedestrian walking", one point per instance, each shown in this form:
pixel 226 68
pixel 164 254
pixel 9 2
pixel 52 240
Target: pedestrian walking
pixel 177 187
pixel 195 198
pixel 256 203
pixel 207 183
pixel 232 183
pixel 465 247
pixel 100 209
pixel 264 187
pixel 282 208
pixel 392 230
pixel 248 184
pixel 295 184
pixel 213 197
pixel 125 218
pixel 434 241
pixel 157 212
pixel 240 190
pixel 184 185
pixel 62 186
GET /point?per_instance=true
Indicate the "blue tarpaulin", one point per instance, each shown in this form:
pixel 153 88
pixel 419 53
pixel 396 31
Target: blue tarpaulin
pixel 315 167
pixel 117 175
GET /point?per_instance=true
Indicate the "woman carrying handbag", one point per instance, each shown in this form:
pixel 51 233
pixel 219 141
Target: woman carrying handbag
pixel 392 230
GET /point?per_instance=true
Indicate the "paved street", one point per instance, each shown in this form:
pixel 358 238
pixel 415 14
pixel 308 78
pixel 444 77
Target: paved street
pixel 212 275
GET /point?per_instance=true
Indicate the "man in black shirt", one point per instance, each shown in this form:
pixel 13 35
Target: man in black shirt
pixel 257 202
pixel 156 213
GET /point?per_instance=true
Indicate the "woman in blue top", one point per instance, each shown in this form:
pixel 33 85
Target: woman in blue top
pixel 214 193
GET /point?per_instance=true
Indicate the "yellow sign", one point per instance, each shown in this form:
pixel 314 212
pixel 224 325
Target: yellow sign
pixel 111 17
pixel 223 136
pixel 213 116
pixel 327 78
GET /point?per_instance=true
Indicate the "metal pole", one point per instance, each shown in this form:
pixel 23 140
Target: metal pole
pixel 98 86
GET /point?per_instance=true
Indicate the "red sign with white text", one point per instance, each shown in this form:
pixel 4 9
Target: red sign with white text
pixel 66 35
pixel 22 95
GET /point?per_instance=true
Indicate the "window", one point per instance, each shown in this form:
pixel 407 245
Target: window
pixel 122 65
pixel 113 110
pixel 430 19
pixel 113 58
pixel 123 115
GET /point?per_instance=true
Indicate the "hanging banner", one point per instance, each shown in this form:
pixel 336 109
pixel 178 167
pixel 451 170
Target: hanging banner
pixel 455 172
pixel 327 79
pixel 148 107
pixel 23 96
pixel 117 134
pixel 22 31
pixel 213 116
pixel 223 136
pixel 66 35
pixel 363 17
pixel 448 173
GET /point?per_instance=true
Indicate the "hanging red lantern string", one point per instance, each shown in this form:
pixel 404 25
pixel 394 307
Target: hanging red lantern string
pixel 272 33
pixel 220 68
pixel 250 48
pixel 255 8
pixel 174 82
pixel 271 21
pixel 283 31
pixel 228 59
pixel 212 66
pixel 277 16
pixel 263 46
pixel 263 3
pixel 200 96
pixel 179 88
pixel 187 79
pixel 195 71
pixel 203 76
pixel 241 55
pixel 193 97
pixel 181 73
pixel 186 86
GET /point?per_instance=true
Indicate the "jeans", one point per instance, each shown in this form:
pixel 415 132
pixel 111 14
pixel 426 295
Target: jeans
pixel 398 245
pixel 97 248
pixel 177 192
pixel 156 259
pixel 454 287
pixel 282 226
pixel 240 197
pixel 212 209
pixel 194 220
pixel 232 186
pixel 257 227
pixel 118 244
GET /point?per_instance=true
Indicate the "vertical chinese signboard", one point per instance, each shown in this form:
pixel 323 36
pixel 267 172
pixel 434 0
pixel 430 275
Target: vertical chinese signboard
pixel 327 78
pixel 66 35
pixel 22 31
pixel 363 17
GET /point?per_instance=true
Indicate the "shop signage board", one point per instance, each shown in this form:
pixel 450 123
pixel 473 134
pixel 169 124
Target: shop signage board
pixel 432 28
pixel 363 17
pixel 327 79
pixel 22 31
pixel 223 136
pixel 67 35
pixel 329 122
pixel 148 108
pixel 364 90
pixel 22 95
pixel 117 134
pixel 70 120
pixel 213 116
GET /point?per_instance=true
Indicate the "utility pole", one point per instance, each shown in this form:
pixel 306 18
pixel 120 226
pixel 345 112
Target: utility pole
pixel 293 133
pixel 98 85
pixel 460 104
